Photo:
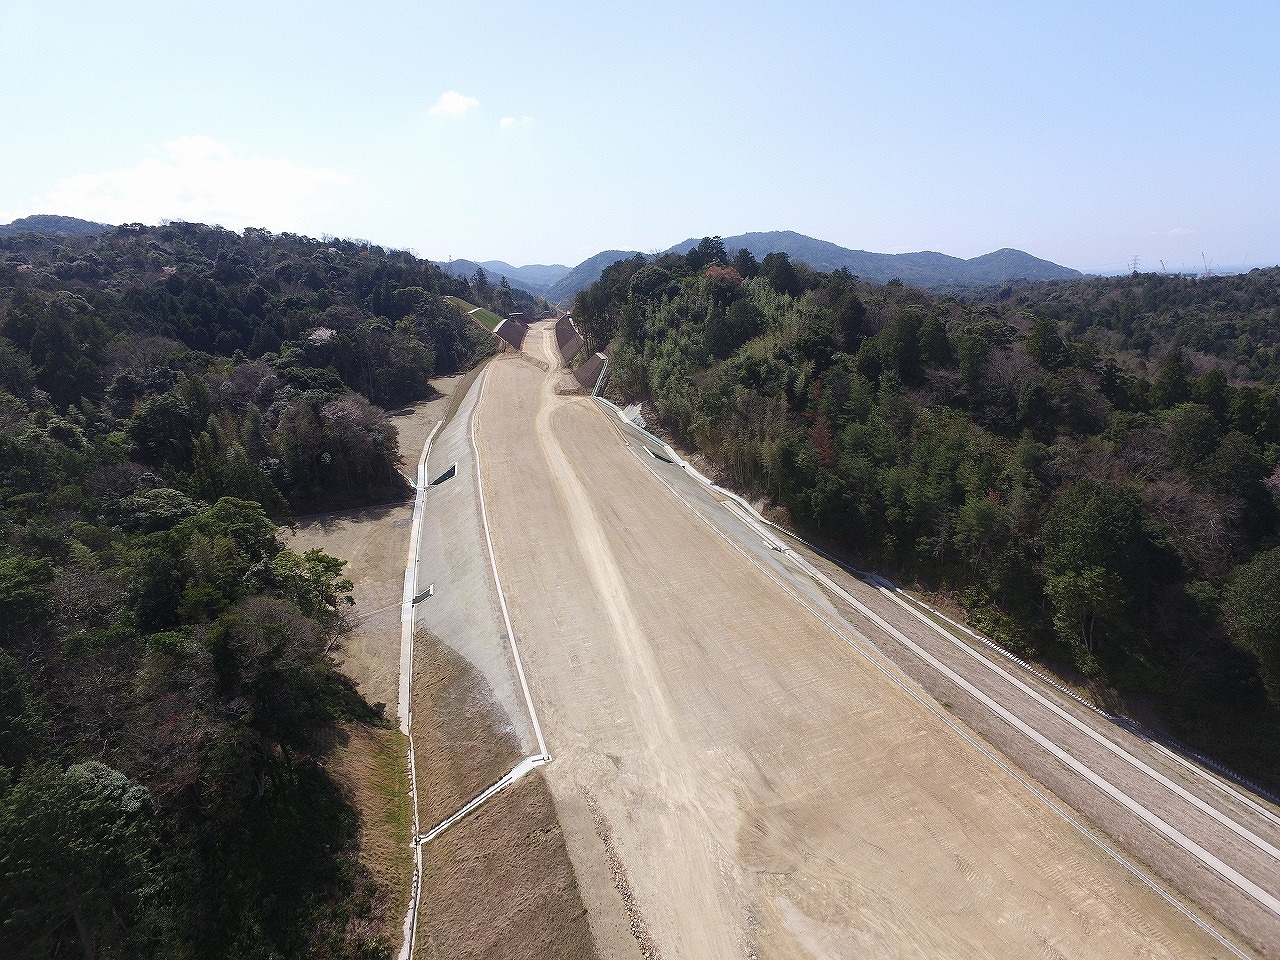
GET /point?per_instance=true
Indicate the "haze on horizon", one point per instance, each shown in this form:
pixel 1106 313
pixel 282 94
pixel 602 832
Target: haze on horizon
pixel 1087 134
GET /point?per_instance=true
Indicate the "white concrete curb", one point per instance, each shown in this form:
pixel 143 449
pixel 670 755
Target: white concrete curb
pixel 527 765
pixel 404 708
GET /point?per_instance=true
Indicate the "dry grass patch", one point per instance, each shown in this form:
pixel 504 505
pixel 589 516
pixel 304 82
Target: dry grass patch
pixel 372 768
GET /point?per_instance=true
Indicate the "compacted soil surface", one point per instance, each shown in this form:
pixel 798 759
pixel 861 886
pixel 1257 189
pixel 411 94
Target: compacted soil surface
pixel 738 770
pixel 733 778
pixel 500 883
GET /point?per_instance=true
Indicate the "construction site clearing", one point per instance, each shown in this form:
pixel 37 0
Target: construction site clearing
pixel 743 764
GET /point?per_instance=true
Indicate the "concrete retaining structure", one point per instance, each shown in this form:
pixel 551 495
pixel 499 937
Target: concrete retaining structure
pixel 511 332
pixel 568 340
pixel 589 372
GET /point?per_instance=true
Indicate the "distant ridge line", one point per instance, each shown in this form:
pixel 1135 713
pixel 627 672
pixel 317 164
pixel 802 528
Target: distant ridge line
pixel 927 269
pixel 54 224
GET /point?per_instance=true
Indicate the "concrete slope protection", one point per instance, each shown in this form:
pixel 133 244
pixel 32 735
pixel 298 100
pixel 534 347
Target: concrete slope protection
pixel 465 608
pixel 568 340
pixel 738 770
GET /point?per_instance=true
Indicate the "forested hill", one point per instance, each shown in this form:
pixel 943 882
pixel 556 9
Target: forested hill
pixel 935 271
pixel 1090 468
pixel 167 396
pixel 51 224
pixel 128 331
pixel 1228 323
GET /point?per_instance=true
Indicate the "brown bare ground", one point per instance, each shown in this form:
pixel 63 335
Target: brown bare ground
pixel 413 423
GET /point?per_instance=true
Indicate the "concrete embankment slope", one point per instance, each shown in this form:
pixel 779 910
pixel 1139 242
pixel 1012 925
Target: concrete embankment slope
pixel 589 373
pixel 568 340
pixel 512 332
pixel 463 609
pixel 499 882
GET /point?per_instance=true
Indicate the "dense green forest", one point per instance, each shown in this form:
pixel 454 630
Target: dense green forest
pixel 168 396
pixel 1227 323
pixel 1089 467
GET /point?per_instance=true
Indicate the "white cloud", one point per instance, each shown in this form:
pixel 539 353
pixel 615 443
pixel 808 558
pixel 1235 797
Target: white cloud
pixel 511 123
pixel 198 179
pixel 453 104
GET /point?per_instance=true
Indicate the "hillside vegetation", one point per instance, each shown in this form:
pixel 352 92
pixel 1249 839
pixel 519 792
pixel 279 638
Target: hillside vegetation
pixel 168 396
pixel 1089 467
pixel 1229 324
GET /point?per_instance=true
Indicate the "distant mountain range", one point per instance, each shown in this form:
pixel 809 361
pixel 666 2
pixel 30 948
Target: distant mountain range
pixel 536 278
pixel 932 271
pixel 49 223
pixel 558 283
pixel 926 269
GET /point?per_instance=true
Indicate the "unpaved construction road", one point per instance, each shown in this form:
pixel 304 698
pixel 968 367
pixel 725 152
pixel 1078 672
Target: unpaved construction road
pixel 739 769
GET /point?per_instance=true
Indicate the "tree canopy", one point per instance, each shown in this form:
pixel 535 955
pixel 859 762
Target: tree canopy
pixel 168 397
pixel 1092 468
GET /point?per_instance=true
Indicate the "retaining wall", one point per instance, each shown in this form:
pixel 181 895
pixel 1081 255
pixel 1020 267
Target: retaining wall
pixel 589 372
pixel 511 332
pixel 568 339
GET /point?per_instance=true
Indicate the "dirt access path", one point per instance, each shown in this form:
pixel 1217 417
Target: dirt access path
pixel 734 780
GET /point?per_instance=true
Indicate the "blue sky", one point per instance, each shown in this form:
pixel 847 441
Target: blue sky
pixel 1086 133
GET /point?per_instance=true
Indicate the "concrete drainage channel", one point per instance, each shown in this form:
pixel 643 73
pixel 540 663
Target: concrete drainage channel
pixel 527 765
pixel 404 707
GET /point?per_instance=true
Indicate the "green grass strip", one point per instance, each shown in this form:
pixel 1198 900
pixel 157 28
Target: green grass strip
pixel 486 318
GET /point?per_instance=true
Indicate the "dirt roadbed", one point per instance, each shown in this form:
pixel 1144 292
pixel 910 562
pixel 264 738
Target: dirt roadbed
pixel 733 779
